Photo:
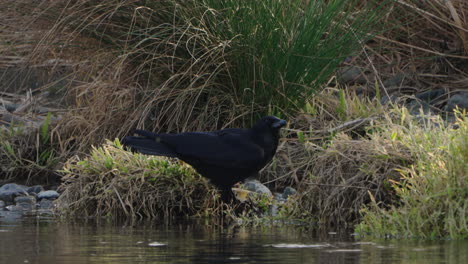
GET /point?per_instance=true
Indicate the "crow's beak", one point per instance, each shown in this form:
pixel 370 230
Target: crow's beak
pixel 279 124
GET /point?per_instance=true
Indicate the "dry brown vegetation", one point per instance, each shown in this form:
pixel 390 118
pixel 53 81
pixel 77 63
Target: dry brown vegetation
pixel 424 47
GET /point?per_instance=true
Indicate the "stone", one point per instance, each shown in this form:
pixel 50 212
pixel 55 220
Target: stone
pixel 430 95
pixel 46 204
pixel 25 199
pixel 351 74
pixel 385 99
pixel 10 191
pixel 279 197
pixel 2 204
pixel 394 81
pixel 288 191
pixel 26 202
pixel 258 187
pixel 48 195
pixel 415 107
pixel 35 189
pixel 273 210
pixel 14 208
pixel 460 100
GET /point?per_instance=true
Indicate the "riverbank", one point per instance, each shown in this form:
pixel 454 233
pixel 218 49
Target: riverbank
pixel 403 169
pixel 364 136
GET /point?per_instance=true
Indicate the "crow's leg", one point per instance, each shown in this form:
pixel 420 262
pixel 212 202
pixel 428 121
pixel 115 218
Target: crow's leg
pixel 227 196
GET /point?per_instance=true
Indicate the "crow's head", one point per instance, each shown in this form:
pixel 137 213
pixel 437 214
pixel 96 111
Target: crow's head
pixel 266 134
pixel 270 123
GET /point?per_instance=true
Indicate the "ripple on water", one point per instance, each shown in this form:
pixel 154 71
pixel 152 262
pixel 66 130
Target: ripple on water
pixel 157 244
pixel 286 245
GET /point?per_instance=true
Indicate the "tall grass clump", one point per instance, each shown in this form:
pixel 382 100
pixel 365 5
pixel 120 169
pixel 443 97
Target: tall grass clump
pixel 28 154
pixel 204 64
pixel 284 51
pixel 433 192
pixel 111 181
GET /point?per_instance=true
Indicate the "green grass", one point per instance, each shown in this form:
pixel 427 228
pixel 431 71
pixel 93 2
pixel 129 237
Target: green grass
pixel 222 61
pixel 282 52
pixel 432 193
pixel 113 182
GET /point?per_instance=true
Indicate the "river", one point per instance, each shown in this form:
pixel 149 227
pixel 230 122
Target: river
pixel 48 240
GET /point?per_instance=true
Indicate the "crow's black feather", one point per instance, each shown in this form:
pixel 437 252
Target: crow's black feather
pixel 225 156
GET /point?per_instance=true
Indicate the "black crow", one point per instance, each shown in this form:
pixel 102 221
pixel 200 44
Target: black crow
pixel 225 156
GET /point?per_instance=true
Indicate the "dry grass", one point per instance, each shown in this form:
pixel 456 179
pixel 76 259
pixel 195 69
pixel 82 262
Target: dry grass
pixel 425 46
pixel 347 173
pixel 337 178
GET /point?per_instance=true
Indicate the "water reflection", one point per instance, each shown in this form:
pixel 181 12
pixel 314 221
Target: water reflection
pixel 39 240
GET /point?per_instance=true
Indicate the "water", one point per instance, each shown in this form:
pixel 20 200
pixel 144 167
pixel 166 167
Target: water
pixel 39 240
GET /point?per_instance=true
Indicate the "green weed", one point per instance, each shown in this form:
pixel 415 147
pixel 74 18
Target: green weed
pixel 432 193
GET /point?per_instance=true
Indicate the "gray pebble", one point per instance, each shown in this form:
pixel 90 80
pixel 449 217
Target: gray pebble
pixel 46 204
pixel 25 199
pixel 351 74
pixel 273 210
pixel 385 99
pixel 9 191
pixel 48 195
pixel 258 187
pixel 394 81
pixel 460 100
pixel 35 189
pixel 288 191
pixel 430 95
pixel 26 202
pixel 279 198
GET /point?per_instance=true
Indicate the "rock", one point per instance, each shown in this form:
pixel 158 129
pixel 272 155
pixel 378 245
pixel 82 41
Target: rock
pixel 288 191
pixel 35 189
pixel 460 100
pixel 351 74
pixel 2 204
pixel 25 199
pixel 415 106
pixel 13 186
pixel 10 191
pixel 430 95
pixel 14 208
pixel 451 119
pixel 258 187
pixel 359 90
pixel 385 99
pixel 48 195
pixel 11 107
pixel 26 202
pixel 273 210
pixel 279 197
pixel 46 204
pixel 394 81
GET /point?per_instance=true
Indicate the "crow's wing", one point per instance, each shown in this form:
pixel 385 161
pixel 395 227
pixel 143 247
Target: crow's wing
pixel 148 146
pixel 231 148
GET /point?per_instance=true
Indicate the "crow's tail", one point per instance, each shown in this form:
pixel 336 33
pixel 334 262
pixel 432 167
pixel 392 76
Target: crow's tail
pixel 148 146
